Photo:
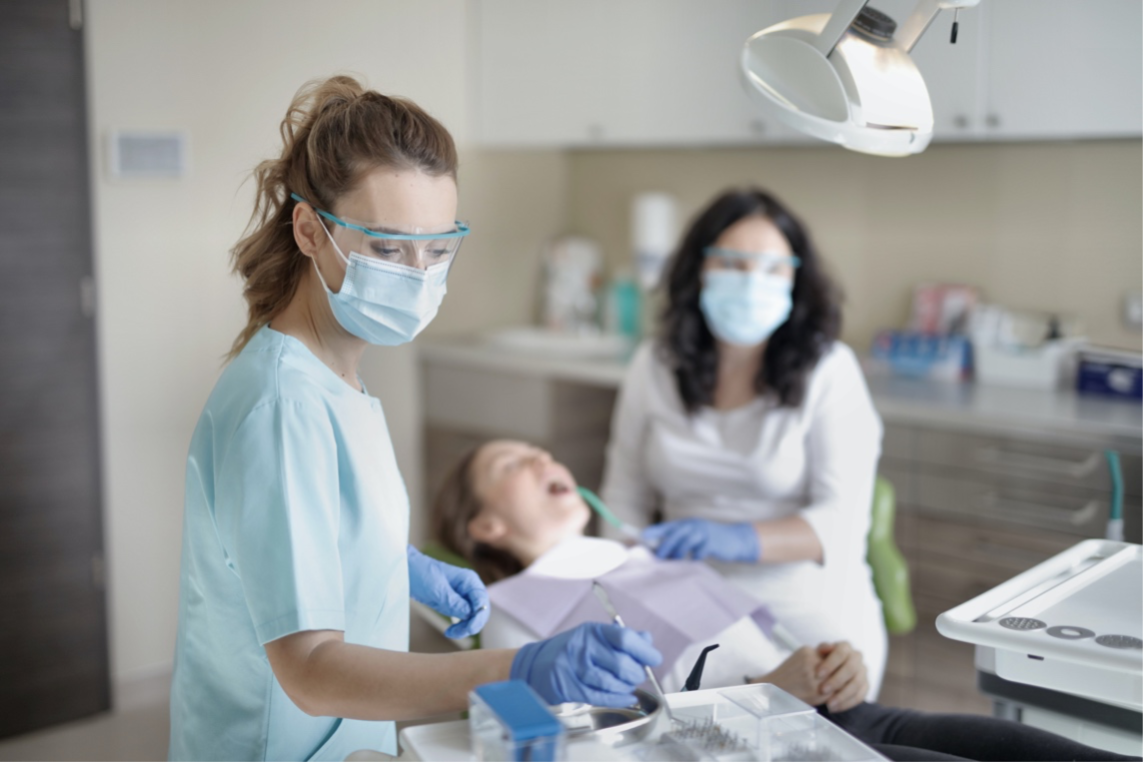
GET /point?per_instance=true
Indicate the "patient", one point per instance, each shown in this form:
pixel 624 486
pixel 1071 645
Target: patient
pixel 514 514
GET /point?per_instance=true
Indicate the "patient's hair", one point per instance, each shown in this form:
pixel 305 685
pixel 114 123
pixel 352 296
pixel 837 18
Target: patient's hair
pixel 455 505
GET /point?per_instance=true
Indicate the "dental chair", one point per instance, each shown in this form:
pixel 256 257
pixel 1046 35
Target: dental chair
pixel 888 569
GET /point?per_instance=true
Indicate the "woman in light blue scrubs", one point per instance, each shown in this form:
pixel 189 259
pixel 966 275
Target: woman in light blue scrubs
pixel 296 569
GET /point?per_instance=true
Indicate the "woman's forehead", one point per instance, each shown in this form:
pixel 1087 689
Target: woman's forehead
pixel 405 201
pixel 754 234
pixel 489 453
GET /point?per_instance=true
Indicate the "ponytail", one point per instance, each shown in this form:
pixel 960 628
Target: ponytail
pixel 334 132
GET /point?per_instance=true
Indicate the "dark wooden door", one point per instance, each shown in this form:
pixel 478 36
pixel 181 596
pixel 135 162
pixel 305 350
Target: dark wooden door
pixel 53 624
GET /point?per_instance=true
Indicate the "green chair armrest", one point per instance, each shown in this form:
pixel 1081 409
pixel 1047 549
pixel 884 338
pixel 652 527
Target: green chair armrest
pixel 888 567
pixel 441 553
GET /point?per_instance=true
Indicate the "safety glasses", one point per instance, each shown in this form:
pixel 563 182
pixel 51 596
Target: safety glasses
pixel 413 247
pixel 736 260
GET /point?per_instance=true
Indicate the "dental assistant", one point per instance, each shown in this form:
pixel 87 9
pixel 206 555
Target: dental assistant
pixel 296 572
pixel 747 427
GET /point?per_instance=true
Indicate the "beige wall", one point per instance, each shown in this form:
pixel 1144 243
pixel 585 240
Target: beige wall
pixel 225 72
pixel 1039 226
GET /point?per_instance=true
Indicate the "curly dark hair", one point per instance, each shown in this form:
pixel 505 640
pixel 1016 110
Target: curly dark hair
pixel 686 343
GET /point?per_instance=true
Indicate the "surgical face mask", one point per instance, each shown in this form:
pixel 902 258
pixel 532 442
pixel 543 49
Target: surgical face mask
pixel 385 303
pixel 745 308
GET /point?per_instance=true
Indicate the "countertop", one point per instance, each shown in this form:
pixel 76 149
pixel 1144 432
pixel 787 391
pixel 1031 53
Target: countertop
pixel 963 406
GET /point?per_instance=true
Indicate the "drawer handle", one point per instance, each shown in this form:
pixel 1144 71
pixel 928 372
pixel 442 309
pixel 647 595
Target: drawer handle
pixel 1077 469
pixel 1038 511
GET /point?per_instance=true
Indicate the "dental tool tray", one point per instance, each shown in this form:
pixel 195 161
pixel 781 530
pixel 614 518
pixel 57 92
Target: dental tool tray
pixel 1072 623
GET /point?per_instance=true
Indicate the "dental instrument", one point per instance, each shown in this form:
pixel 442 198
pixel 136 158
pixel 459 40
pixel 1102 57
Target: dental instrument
pixel 1115 527
pixel 692 683
pixel 630 531
pixel 606 602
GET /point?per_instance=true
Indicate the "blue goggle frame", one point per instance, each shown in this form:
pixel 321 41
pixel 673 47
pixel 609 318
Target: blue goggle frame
pixel 461 231
pixel 770 259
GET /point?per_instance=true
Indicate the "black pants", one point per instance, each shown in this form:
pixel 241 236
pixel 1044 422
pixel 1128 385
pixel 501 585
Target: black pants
pixel 908 735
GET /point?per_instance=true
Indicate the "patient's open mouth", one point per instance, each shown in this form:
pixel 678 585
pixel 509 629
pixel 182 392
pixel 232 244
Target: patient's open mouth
pixel 558 487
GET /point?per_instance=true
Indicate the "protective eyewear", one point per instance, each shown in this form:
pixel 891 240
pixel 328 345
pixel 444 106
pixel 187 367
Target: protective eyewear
pixel 737 260
pixel 414 248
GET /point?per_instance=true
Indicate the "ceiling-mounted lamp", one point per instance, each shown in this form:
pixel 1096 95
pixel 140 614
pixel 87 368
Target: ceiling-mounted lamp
pixel 847 77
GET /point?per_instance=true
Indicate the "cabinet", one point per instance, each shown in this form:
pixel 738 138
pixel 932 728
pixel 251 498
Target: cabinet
pixel 601 73
pixel 1062 69
pixel 560 73
pixel 973 511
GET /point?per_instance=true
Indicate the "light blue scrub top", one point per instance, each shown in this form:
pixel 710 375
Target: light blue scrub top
pixel 295 518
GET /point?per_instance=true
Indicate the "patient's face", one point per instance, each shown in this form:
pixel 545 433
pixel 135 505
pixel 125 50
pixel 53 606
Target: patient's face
pixel 527 498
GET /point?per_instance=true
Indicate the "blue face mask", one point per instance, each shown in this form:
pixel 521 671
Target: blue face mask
pixel 386 304
pixel 744 307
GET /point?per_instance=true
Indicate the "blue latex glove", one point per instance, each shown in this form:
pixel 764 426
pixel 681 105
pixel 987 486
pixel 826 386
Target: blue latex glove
pixel 703 539
pixel 594 663
pixel 449 590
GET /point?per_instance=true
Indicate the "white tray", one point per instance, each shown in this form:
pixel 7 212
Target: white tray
pixel 1051 626
pixel 449 741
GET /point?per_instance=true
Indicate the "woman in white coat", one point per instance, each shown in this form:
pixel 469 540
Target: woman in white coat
pixel 747 430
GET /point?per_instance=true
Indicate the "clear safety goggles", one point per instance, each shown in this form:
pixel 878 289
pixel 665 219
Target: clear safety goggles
pixel 736 260
pixel 413 247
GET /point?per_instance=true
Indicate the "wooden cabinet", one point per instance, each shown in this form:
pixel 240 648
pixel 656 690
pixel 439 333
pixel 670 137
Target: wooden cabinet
pixel 588 73
pixel 973 511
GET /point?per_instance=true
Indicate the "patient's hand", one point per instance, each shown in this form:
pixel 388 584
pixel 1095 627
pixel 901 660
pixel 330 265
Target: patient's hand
pixel 831 674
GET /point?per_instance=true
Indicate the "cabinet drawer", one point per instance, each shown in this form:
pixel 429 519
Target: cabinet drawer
pixel 975 544
pixel 1026 504
pixel 902 479
pixel 899 443
pixel 945 583
pixel 1077 466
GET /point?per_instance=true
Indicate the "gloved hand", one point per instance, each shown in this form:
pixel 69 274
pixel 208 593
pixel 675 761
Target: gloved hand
pixel 703 539
pixel 594 663
pixel 449 590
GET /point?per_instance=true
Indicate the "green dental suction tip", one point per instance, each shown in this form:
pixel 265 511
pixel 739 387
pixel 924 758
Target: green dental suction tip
pixel 598 507
pixel 601 510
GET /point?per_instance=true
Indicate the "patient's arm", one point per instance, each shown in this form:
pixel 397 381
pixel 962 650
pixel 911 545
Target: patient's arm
pixel 830 674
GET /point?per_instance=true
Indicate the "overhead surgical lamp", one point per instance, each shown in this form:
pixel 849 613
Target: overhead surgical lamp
pixel 847 77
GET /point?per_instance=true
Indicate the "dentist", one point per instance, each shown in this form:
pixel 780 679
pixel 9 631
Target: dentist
pixel 746 427
pixel 296 572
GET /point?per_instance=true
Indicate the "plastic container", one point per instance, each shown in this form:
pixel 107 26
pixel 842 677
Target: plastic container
pixel 811 738
pixel 509 722
pixel 917 355
pixel 1046 367
pixel 758 722
pixel 759 707
pixel 623 309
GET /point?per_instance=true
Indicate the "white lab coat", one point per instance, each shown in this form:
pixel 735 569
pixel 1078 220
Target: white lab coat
pixel 759 462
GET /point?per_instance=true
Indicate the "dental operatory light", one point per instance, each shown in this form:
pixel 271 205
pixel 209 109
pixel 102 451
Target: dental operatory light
pixel 847 77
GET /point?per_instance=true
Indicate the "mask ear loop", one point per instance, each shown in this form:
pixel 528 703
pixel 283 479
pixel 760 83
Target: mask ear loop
pixel 337 250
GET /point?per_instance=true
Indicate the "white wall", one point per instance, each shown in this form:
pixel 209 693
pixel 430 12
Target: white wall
pixel 169 308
